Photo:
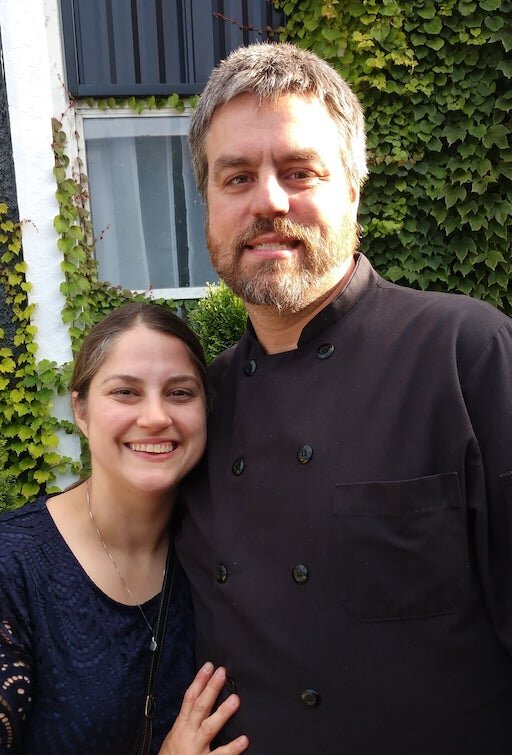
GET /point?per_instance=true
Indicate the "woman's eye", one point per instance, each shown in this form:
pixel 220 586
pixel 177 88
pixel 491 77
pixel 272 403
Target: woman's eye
pixel 181 393
pixel 123 392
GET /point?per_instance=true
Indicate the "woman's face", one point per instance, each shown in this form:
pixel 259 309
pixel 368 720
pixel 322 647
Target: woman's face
pixel 144 415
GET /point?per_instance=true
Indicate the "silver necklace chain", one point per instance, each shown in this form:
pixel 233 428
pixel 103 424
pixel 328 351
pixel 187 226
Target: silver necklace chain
pixel 152 644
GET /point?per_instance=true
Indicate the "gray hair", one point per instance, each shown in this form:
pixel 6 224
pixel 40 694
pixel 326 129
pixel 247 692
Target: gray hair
pixel 270 71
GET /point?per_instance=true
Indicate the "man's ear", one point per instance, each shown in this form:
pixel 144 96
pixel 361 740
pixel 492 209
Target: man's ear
pixel 79 410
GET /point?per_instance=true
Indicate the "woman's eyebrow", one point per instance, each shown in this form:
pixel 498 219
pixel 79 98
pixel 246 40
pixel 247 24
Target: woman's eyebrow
pixel 185 378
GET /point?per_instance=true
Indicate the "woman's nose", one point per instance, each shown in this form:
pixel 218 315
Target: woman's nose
pixel 155 413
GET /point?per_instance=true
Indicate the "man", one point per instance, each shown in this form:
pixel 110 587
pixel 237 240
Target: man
pixel 348 538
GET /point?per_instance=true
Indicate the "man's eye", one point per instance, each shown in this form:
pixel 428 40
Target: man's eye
pixel 302 175
pixel 238 180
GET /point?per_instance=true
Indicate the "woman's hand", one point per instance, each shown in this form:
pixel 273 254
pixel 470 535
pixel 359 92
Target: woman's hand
pixel 196 725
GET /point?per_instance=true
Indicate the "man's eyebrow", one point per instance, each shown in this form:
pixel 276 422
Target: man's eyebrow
pixel 227 161
pixel 302 155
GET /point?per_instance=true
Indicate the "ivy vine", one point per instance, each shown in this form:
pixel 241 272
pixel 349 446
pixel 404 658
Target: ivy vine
pixel 29 432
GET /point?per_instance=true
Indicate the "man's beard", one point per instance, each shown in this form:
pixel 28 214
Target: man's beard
pixel 288 284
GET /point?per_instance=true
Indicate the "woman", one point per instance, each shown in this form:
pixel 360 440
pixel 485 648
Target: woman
pixel 81 573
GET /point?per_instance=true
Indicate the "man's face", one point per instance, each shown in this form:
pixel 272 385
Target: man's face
pixel 281 212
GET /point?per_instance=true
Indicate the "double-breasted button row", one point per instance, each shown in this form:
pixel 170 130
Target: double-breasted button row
pixel 300 573
pixel 304 455
pixel 324 351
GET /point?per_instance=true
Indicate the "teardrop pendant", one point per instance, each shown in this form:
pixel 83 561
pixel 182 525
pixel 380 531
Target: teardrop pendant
pixel 152 645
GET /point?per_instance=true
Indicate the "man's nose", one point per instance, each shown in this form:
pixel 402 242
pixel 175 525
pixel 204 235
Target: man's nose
pixel 269 197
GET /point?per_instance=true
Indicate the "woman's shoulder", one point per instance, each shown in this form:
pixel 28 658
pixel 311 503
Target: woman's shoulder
pixel 24 517
pixel 27 527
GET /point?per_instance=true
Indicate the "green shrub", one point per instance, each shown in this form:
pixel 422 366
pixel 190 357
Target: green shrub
pixel 219 319
pixel 9 495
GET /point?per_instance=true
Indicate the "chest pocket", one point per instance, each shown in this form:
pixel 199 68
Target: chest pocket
pixel 400 547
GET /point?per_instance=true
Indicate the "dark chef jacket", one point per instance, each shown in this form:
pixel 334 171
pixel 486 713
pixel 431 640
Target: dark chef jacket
pixel 350 550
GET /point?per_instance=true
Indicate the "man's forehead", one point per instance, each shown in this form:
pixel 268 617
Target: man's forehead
pixel 245 113
pixel 277 102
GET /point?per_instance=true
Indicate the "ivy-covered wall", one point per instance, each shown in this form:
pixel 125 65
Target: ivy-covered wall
pixel 434 78
pixel 435 81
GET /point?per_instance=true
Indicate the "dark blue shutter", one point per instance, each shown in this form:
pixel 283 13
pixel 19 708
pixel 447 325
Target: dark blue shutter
pixel 143 47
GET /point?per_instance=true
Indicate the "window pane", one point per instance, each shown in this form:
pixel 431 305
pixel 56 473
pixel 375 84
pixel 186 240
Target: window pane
pixel 148 218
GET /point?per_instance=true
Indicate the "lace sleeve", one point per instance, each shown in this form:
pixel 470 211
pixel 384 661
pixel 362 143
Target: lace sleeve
pixel 15 689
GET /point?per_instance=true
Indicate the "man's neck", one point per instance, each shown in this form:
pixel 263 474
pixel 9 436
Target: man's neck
pixel 279 331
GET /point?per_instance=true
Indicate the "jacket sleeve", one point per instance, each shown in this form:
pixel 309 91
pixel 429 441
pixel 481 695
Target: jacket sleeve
pixel 488 394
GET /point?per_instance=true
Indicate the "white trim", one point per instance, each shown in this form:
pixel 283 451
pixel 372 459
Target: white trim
pixel 125 111
pixel 194 292
pixel 29 93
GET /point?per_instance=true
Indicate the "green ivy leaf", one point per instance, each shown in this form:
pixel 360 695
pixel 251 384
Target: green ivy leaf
pixel 494 23
pixel 434 26
pixel 454 134
pixel 427 10
pixel 496 135
pixel 60 224
pixel 493 257
pixel 454 194
pixel 65 244
pixel 466 8
pixel 503 212
pixel 505 66
pixel 29 490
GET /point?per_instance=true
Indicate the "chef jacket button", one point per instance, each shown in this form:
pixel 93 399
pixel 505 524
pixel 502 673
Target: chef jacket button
pixel 310 698
pixel 221 573
pixel 238 466
pixel 325 351
pixel 250 367
pixel 300 574
pixel 304 454
pixel 230 685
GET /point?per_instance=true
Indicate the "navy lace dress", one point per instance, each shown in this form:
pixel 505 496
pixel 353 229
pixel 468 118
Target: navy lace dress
pixel 73 661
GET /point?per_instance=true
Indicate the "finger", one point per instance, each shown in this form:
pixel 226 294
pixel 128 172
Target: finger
pixel 205 701
pixel 211 726
pixel 240 744
pixel 194 691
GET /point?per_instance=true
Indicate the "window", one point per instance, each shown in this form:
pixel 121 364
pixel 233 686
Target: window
pixel 147 215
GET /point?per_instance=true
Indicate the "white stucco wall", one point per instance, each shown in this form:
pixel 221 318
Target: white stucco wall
pixel 36 93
